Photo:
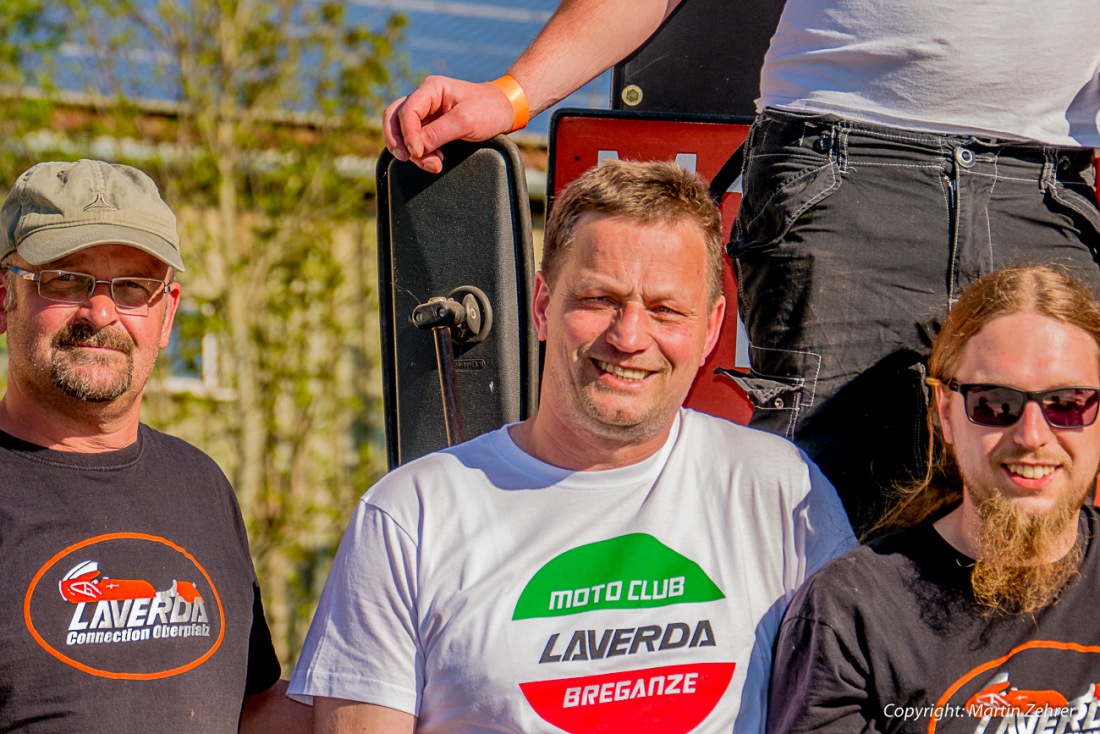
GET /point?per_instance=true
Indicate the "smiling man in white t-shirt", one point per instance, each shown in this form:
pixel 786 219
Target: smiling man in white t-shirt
pixel 615 562
pixel 901 150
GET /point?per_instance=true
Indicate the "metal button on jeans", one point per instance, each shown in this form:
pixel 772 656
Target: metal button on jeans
pixel 965 157
pixel 822 144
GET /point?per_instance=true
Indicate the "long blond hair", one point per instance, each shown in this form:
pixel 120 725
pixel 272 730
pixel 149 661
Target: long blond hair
pixel 1043 289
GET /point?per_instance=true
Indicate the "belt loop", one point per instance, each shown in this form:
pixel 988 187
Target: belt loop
pixel 841 133
pixel 762 120
pixel 1050 168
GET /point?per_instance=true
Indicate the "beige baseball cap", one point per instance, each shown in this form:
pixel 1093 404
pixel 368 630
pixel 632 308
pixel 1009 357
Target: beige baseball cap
pixel 57 208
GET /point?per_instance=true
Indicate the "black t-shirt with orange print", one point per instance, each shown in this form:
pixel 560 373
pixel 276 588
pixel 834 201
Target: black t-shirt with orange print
pixel 129 601
pixel 886 639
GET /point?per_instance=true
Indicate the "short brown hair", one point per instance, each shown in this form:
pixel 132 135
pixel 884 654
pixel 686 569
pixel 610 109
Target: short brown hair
pixel 1042 289
pixel 646 192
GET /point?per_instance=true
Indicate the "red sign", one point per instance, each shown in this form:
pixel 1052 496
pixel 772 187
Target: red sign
pixel 713 149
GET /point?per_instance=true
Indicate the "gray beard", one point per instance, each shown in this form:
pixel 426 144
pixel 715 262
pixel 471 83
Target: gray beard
pixel 65 364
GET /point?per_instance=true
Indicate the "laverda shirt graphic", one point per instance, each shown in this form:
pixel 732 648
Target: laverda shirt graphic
pixel 887 639
pixel 130 603
pixel 93 632
pixel 482 590
pixel 632 572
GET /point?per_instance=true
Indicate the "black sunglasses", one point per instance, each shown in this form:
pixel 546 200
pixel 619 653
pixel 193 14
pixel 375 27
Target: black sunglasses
pixel 999 406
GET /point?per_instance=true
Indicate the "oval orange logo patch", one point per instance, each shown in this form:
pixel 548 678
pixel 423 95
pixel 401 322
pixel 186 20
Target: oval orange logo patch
pixel 126 606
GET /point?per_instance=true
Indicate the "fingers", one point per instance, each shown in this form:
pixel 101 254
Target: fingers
pixel 430 162
pixel 435 96
pixel 439 111
pixel 394 136
pixel 467 119
pixel 391 130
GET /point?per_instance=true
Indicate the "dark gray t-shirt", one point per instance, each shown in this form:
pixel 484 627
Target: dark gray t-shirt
pixel 129 602
pixel 886 639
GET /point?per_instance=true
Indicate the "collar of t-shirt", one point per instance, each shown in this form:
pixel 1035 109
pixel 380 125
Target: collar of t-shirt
pixel 643 473
pixel 100 460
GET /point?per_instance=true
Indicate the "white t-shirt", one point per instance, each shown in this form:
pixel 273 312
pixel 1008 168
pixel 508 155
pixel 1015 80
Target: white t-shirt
pixel 995 68
pixel 483 590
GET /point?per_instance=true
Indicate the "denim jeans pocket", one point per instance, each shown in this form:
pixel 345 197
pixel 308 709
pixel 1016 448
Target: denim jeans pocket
pixel 780 386
pixel 766 393
pixel 775 403
pixel 1081 209
pixel 778 189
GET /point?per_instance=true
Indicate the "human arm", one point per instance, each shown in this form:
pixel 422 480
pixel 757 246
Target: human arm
pixel 362 645
pixel 339 716
pixel 582 39
pixel 812 530
pixel 271 712
pixel 266 707
pixel 819 530
pixel 819 681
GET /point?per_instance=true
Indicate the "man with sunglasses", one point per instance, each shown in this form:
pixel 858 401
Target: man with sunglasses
pixel 130 602
pixel 979 616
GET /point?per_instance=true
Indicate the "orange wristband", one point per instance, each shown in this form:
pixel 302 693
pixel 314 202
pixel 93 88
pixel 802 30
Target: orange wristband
pixel 521 110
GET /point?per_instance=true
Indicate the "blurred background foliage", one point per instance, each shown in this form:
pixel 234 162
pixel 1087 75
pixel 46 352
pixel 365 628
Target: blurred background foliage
pixel 265 152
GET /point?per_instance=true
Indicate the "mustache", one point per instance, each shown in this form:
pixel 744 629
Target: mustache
pixel 659 366
pixel 82 335
pixel 1025 457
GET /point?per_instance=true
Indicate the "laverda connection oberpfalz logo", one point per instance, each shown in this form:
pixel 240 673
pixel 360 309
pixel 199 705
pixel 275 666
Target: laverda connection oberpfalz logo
pixel 631 572
pixel 126 606
pixel 1041 686
pixel 110 610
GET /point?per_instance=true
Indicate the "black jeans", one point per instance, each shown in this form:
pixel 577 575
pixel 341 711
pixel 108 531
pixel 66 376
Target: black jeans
pixel 851 242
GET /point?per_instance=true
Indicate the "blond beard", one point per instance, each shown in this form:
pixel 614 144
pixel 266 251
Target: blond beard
pixel 1006 577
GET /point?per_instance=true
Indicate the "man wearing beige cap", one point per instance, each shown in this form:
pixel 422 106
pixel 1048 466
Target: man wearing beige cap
pixel 130 602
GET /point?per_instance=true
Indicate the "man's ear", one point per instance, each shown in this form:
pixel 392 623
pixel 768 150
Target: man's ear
pixel 4 280
pixel 540 302
pixel 943 412
pixel 172 302
pixel 714 326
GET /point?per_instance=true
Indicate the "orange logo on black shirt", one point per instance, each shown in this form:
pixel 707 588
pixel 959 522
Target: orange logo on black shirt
pixel 81 585
pixel 1001 698
pixel 1039 686
pixel 161 616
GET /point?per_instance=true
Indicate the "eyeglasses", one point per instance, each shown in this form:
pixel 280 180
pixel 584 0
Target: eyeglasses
pixel 131 294
pixel 999 406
